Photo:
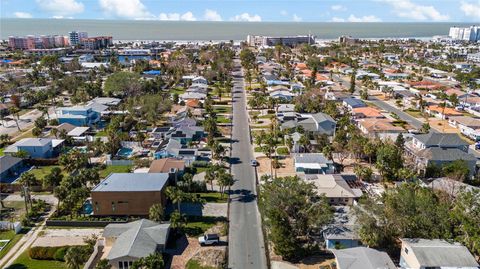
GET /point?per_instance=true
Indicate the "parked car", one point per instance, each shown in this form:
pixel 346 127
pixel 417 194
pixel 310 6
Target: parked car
pixel 209 239
pixel 254 163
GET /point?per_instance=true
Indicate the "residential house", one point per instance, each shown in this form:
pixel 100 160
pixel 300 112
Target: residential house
pixel 283 95
pixel 41 148
pixel 435 253
pixel 167 165
pixel 172 148
pixel 367 112
pixel 128 242
pixel 438 149
pixel 64 128
pixel 468 126
pixel 10 168
pixel 81 115
pixel 340 189
pixel 161 132
pixel 107 101
pixel 312 163
pixel 352 103
pixel 193 95
pixel 129 194
pixel 186 134
pixel 340 237
pixel 442 112
pixel 319 123
pixel 381 128
pixel 362 258
pixel 450 186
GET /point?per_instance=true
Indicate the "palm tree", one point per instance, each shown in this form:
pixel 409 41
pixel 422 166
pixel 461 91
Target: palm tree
pixel 210 173
pixel 155 213
pixel 218 150
pixel 103 264
pixel 14 111
pixel 27 180
pixel 74 258
pixel 176 195
pixel 224 179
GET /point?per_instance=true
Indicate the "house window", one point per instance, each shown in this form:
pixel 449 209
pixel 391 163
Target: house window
pixel 113 206
pixel 125 265
pixel 120 265
pixel 96 206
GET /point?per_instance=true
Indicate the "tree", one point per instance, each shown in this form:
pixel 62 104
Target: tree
pixel 247 58
pixel 389 160
pixel 123 83
pixel 14 110
pixel 75 257
pixel 425 128
pixel 73 161
pixel 103 264
pixel 363 173
pixel 352 82
pixel 177 220
pixel 27 180
pixel 155 213
pixel 465 216
pixel 152 261
pixel 400 141
pixel 53 178
pixel 408 211
pixel 224 179
pixel 292 211
pixel 457 170
pixel 175 195
pixel 217 150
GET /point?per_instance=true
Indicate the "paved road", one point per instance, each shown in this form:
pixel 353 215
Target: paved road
pixel 246 245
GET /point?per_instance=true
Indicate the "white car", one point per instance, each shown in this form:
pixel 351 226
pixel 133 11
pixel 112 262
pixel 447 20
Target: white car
pixel 209 239
pixel 254 163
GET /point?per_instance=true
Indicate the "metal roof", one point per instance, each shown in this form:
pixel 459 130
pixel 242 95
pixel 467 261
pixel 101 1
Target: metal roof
pixel 118 182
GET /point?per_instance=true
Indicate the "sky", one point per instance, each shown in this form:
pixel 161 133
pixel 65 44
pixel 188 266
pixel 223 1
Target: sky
pixel 249 10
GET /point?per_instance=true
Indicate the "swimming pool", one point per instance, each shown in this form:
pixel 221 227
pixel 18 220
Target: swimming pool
pixel 125 152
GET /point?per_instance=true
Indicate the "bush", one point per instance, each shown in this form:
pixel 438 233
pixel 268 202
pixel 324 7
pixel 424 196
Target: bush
pixel 43 253
pixel 60 254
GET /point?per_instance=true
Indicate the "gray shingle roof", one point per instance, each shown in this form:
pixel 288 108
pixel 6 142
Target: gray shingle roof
pixel 440 253
pixel 7 162
pixel 319 117
pixel 353 102
pixel 441 140
pixel 362 258
pixel 445 154
pixel 136 239
pixel 132 182
pixel 310 158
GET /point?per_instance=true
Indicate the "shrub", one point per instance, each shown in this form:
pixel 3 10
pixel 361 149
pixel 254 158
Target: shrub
pixel 60 254
pixel 43 253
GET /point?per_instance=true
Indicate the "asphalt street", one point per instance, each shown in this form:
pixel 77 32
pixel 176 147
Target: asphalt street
pixel 246 245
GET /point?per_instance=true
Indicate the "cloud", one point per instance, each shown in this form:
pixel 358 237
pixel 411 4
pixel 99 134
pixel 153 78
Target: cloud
pixel 187 16
pixel 131 9
pixel 296 18
pixel 246 17
pixel 353 18
pixel 283 12
pixel 22 15
pixel 61 7
pixel 338 8
pixel 471 9
pixel 212 15
pixel 410 10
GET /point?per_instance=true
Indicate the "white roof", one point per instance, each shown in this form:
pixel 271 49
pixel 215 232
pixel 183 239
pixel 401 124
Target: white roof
pixel 78 131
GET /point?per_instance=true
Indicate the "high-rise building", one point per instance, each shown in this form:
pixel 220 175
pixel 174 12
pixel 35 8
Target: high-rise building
pixel 96 43
pixel 471 33
pixel 75 37
pixel 36 42
pixel 253 40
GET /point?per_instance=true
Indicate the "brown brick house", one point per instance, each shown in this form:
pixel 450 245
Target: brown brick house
pixel 125 194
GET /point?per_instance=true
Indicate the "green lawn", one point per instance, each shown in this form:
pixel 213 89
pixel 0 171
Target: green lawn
pixel 213 197
pixel 414 113
pixel 42 171
pixel 193 264
pixel 222 119
pixel 24 262
pixel 114 169
pixel 1 151
pixel 177 91
pixel 14 238
pixel 199 225
pixel 222 109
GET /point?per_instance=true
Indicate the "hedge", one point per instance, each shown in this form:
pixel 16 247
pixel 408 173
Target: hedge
pixel 49 253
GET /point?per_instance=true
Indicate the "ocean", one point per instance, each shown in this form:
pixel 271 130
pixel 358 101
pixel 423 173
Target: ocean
pixel 181 30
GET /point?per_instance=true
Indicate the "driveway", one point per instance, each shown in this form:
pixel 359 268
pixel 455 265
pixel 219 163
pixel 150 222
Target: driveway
pixel 26 122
